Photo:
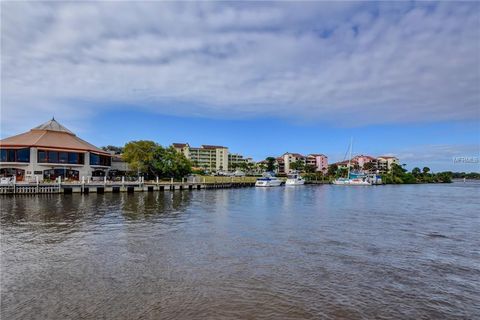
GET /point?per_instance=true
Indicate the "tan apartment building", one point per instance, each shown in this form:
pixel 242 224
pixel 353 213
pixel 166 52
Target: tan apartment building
pixel 384 163
pixel 235 159
pixel 289 158
pixel 208 157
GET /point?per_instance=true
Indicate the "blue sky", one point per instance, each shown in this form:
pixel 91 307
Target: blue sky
pixel 262 78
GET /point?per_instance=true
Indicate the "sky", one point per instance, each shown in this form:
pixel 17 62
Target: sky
pixel 263 78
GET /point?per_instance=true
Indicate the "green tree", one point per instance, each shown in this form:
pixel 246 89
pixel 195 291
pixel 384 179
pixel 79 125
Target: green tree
pixel 416 171
pixel 117 150
pixel 168 162
pixel 426 170
pixel 396 173
pixel 444 177
pixel 139 154
pixel 341 172
pixel 262 167
pixel 297 165
pixel 332 170
pixel 270 163
pixel 368 166
pixel 408 178
pixel 310 168
pixel 243 166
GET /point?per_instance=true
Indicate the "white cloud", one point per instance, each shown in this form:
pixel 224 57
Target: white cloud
pixel 440 157
pixel 349 64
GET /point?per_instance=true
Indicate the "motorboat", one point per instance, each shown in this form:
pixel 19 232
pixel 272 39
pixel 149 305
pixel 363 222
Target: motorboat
pixel 268 180
pixel 294 179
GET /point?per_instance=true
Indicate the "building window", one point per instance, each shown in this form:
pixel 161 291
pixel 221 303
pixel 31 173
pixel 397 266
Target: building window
pixel 15 155
pixel 63 157
pixel 23 155
pixel 73 158
pixel 42 156
pixel 45 156
pixel 12 172
pixel 66 174
pixel 94 159
pixel 52 156
pixel 100 160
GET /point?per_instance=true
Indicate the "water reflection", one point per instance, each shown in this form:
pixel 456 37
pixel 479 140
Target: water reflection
pixel 299 253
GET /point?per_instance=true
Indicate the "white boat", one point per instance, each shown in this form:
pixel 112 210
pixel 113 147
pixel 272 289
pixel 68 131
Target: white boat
pixel 353 181
pixel 294 179
pixel 268 180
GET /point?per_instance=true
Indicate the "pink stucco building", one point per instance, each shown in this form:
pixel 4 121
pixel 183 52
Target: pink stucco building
pixel 319 161
pixel 362 160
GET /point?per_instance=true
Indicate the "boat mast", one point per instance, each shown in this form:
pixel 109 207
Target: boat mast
pixel 350 157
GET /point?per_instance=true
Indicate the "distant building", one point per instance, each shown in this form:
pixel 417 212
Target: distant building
pixel 384 163
pixel 208 157
pixel 381 164
pixel 289 158
pixel 342 164
pixel 50 151
pixel 284 162
pixel 318 161
pixel 235 159
pixel 182 148
pixel 362 160
pixel 119 166
pixel 280 165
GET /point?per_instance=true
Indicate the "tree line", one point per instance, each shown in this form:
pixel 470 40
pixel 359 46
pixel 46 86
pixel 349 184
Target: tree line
pixel 398 175
pixel 152 160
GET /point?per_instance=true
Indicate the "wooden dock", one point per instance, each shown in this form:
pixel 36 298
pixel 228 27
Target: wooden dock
pixel 112 187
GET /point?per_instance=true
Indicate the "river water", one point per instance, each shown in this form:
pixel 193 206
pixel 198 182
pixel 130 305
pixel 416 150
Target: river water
pixel 311 252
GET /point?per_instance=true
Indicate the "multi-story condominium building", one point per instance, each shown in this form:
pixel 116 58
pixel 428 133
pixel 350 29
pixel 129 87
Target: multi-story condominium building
pixel 235 159
pixel 284 162
pixel 212 158
pixel 182 148
pixel 381 164
pixel 318 161
pixel 342 164
pixel 289 158
pixel 362 160
pixel 50 151
pixel 279 165
pixel 384 163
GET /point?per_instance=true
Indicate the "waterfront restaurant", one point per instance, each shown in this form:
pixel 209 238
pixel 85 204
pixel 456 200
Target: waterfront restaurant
pixel 50 151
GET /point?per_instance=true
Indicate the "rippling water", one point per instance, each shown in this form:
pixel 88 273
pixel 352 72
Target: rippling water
pixel 332 252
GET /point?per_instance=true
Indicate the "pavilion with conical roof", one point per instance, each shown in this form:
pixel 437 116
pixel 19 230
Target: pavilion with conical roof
pixel 48 151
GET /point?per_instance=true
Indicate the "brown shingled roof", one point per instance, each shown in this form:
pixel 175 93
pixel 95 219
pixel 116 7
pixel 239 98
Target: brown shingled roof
pixel 50 135
pixel 206 146
pixel 179 145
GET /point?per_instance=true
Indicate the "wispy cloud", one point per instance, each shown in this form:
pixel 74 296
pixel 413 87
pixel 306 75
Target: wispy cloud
pixel 441 156
pixel 344 63
pixel 438 152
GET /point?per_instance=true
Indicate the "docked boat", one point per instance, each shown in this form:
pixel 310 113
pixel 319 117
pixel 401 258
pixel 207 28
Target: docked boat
pixel 356 179
pixel 268 180
pixel 294 179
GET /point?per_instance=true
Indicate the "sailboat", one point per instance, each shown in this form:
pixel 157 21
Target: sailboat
pixel 353 179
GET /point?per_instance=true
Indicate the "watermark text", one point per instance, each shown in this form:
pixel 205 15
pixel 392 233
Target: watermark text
pixel 466 159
